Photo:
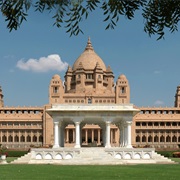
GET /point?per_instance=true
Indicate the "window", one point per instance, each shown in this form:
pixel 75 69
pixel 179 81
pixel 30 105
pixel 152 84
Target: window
pixel 168 124
pixel 174 139
pixel 28 138
pixel 149 123
pixel 89 76
pixel 161 123
pixel 162 139
pixel 34 138
pixel 138 138
pixel 22 139
pixel 156 139
pixel 144 138
pixel 73 77
pixel 10 138
pixel 156 124
pixel 168 139
pixel 89 101
pixel 174 124
pixel 150 138
pixel 55 90
pixel 123 90
pixel 137 123
pixel 143 123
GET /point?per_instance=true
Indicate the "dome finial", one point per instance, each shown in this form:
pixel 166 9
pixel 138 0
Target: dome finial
pixel 89 45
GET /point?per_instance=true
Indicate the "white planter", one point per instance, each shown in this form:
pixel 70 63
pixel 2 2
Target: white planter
pixel 3 157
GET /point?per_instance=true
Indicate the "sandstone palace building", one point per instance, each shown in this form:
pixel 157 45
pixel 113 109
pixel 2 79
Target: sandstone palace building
pixel 89 82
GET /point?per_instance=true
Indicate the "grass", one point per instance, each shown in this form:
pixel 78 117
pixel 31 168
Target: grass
pixel 139 172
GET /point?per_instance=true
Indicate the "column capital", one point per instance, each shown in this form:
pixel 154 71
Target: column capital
pixel 107 119
pixel 108 122
pixel 128 122
pixel 77 123
pixel 77 119
pixel 57 118
pixel 56 122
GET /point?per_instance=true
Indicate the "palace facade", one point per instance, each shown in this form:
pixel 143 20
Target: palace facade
pixel 89 82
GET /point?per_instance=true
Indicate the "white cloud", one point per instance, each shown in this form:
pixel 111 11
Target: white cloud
pixel 158 103
pixel 43 64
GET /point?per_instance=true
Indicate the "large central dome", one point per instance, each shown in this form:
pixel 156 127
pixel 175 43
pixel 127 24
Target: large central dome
pixel 89 59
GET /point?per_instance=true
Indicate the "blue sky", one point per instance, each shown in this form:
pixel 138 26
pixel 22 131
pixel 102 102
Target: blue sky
pixel 152 67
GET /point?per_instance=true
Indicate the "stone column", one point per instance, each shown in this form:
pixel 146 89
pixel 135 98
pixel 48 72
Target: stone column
pixel 111 136
pixel 73 135
pixel 103 128
pixel 86 136
pixel 67 135
pixel 56 135
pixel 92 135
pixel 7 136
pixel 125 136
pixel 77 144
pixel 129 145
pixel 108 145
pixel 61 134
pixel 12 136
pixel 121 143
pixel 99 135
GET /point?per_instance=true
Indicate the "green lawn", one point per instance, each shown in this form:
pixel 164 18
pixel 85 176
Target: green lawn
pixel 140 172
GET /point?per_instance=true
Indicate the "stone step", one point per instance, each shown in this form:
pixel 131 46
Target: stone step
pixel 23 159
pixel 90 156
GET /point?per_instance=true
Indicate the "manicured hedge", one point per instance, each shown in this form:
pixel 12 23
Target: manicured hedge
pixel 12 153
pixel 166 153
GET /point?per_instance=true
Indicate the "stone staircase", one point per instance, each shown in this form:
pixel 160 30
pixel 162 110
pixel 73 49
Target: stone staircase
pixel 162 160
pixel 23 159
pixel 90 156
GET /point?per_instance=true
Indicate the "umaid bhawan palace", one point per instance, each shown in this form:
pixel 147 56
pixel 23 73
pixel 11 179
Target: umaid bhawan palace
pixel 90 109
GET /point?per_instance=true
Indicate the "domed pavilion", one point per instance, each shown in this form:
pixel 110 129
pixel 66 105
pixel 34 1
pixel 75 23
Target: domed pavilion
pixel 90 96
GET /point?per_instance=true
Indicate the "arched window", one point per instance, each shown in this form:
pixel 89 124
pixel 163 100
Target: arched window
pixel 34 138
pixel 150 138
pixel 144 138
pixel 156 139
pixel 28 138
pixel 16 139
pixel 4 139
pixel 162 138
pixel 138 138
pixel 22 139
pixel 168 138
pixel 174 139
pixel 10 138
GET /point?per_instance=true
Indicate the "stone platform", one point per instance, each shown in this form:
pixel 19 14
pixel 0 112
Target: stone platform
pixel 92 156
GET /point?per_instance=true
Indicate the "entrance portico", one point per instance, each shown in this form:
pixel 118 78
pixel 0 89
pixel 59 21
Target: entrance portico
pixel 102 115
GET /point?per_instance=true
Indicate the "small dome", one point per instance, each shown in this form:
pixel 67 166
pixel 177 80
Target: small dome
pixel 89 59
pixel 122 76
pixel 56 76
